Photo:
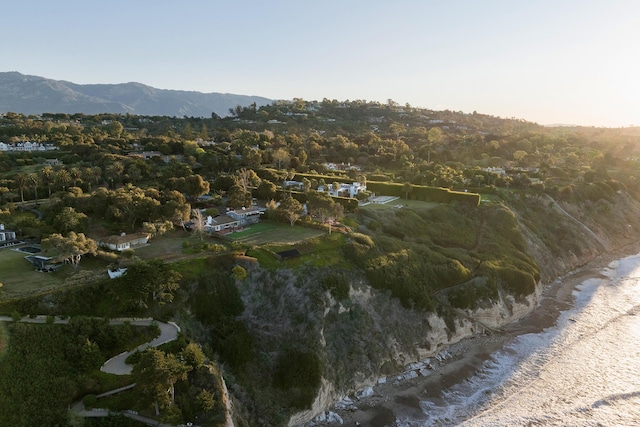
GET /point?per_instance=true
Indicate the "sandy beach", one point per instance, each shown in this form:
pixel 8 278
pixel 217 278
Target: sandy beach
pixel 395 398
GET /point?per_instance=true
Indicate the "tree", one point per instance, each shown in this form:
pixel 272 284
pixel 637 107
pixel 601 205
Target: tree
pixel 70 248
pixel 247 178
pixel 195 186
pixel 320 204
pixel 146 282
pixel 21 181
pixel 239 272
pixel 237 197
pixel 46 176
pixel 34 180
pixel 155 375
pixel 291 209
pixel 62 178
pixel 408 188
pixel 115 129
pixel 70 220
pixel 306 184
pixel 204 133
pixel 280 157
pixel 75 174
pixel 192 355
pixel 266 190
pixel 197 226
pixel 94 173
pixel 336 187
pixel 205 401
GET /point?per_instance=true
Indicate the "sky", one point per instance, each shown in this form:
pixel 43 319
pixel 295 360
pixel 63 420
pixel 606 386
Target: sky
pixel 545 61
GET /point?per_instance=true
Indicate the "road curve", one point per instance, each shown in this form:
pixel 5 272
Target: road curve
pixel 116 365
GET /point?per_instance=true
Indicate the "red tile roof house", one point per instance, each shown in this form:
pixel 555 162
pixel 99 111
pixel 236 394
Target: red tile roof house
pixel 124 241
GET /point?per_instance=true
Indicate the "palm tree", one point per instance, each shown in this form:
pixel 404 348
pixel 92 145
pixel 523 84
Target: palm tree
pixel 92 174
pixel 75 174
pixel 46 176
pixel 34 180
pixel 63 178
pixel 21 181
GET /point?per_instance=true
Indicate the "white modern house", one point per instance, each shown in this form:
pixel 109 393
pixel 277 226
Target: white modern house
pixel 6 235
pixel 27 146
pixel 345 190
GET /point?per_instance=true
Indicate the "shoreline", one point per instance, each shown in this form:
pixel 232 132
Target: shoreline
pixel 402 398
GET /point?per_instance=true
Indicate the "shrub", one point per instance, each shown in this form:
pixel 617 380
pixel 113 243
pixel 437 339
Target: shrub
pixel 298 372
pixel 362 239
pixel 337 284
pixel 517 282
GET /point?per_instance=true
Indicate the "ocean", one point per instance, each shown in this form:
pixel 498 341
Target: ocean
pixel 583 371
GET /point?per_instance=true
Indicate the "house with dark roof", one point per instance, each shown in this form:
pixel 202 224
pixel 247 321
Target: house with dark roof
pixel 222 224
pixel 247 216
pixel 43 263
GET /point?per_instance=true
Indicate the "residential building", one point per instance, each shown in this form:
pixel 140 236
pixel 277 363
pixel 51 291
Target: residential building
pixel 221 224
pixel 6 236
pixel 247 215
pixel 345 190
pixel 124 241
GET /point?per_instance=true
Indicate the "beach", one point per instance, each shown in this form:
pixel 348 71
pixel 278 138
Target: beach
pixel 399 398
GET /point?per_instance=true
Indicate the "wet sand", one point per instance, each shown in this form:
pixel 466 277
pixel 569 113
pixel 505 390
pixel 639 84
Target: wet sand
pixel 402 398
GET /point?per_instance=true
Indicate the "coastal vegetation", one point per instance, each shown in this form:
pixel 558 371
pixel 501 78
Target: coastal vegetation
pixel 325 292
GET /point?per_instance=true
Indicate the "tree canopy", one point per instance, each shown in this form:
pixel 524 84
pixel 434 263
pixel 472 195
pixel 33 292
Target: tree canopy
pixel 69 248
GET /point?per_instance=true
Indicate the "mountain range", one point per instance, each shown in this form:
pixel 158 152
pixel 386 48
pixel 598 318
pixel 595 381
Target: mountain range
pixel 27 94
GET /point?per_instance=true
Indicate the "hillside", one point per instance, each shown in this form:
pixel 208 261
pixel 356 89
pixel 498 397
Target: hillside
pixel 483 214
pixel 26 94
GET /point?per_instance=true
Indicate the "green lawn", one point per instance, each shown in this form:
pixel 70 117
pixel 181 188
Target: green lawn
pixel 417 204
pixel 265 233
pixel 19 276
pixel 319 251
pixel 169 247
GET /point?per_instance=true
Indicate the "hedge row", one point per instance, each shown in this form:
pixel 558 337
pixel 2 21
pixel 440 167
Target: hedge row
pixel 424 193
pixel 347 203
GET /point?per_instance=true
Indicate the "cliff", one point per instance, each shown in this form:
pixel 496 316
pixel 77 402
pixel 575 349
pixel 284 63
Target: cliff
pixel 372 334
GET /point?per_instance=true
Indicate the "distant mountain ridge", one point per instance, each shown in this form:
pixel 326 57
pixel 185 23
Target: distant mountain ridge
pixel 20 93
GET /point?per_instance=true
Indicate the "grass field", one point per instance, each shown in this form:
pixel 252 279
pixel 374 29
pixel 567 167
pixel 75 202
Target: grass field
pixel 167 247
pixel 319 251
pixel 19 276
pixel 272 233
pixel 417 204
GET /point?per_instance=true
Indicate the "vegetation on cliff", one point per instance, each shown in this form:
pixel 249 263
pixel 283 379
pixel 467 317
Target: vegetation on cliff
pixel 486 209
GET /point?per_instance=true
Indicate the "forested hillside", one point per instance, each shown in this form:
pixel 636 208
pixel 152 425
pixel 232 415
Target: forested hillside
pixel 459 220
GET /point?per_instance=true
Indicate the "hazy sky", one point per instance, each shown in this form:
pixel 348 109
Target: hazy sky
pixel 548 61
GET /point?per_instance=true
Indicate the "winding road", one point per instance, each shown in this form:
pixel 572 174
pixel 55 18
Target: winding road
pixel 116 365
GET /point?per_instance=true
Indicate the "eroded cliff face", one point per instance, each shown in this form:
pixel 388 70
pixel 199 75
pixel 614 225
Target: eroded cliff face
pixel 402 341
pixel 371 335
pixel 588 230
